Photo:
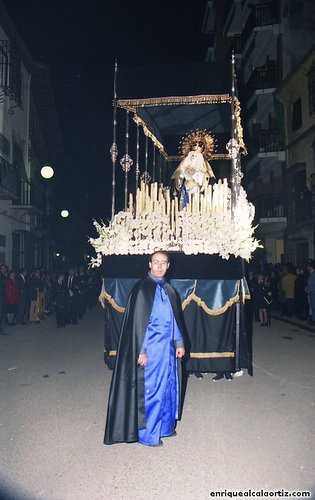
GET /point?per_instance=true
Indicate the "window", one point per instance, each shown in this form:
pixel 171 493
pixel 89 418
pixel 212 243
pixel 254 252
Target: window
pixel 297 114
pixel 311 89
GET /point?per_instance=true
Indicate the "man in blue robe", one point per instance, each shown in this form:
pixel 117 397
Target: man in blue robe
pixel 145 395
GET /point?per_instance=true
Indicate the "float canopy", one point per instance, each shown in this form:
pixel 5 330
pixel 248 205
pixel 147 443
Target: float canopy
pixel 179 98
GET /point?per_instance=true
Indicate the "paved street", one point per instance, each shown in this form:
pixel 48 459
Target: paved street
pixel 254 432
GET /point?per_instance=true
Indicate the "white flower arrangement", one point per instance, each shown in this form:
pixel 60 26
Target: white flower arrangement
pixel 190 233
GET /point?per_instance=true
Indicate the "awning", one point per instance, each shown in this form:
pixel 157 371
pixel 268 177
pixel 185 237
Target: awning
pixel 179 99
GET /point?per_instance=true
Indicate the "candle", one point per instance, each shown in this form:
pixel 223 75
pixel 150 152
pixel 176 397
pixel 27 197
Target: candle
pixel 220 195
pixel 176 218
pixel 168 202
pixel 139 201
pixel 224 195
pixel 197 202
pixel 172 216
pixel 216 197
pixel 130 203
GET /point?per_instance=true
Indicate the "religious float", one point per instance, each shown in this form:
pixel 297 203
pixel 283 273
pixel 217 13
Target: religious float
pixel 182 193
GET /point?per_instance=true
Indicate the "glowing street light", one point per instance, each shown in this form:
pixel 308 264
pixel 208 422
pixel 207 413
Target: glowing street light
pixel 64 213
pixel 47 172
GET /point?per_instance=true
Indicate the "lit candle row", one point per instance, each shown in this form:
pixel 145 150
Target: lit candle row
pixel 213 199
pixel 157 199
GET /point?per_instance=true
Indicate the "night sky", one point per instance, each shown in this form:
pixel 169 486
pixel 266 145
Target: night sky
pixel 79 41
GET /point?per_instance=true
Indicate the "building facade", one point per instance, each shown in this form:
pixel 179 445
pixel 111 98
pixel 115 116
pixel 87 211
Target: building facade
pixel 269 39
pixel 29 139
pixel 296 96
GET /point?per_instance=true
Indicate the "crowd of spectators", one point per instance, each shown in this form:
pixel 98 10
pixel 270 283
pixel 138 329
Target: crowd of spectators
pixel 283 289
pixel 28 297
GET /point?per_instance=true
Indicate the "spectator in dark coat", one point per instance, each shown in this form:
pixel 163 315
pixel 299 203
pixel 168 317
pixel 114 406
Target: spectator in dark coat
pixel 262 299
pixel 301 305
pixel 94 287
pixel 60 299
pixel 73 286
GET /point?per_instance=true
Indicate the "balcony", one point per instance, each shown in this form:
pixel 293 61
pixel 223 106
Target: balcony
pixel 8 181
pixel 264 78
pixel 10 72
pixel 30 197
pixel 270 207
pixel 271 214
pixel 264 14
pixel 268 141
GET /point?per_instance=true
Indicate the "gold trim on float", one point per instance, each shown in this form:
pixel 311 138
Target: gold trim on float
pixel 105 295
pixel 185 303
pixel 202 304
pixel 205 355
pixel 134 104
pixel 149 134
pixel 211 354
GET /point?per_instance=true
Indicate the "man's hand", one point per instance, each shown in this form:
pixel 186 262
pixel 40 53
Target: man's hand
pixel 142 359
pixel 180 352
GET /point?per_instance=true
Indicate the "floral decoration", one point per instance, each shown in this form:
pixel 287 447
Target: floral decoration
pixel 191 233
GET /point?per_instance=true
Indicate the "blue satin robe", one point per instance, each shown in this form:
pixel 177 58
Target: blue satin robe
pixel 161 385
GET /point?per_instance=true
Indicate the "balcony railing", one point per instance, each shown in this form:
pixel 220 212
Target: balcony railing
pixel 268 141
pixel 264 77
pixel 270 207
pixel 10 71
pixel 8 180
pixel 264 14
pixel 29 196
pixel 267 13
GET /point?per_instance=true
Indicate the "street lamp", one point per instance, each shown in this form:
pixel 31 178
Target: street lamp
pixel 47 172
pixel 64 213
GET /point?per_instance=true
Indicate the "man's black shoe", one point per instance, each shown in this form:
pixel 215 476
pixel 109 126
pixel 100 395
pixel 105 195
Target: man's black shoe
pixel 218 376
pixel 228 376
pixel 174 433
pixel 198 375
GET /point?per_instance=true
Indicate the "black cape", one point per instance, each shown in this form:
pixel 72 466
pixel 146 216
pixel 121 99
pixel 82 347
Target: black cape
pixel 126 411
